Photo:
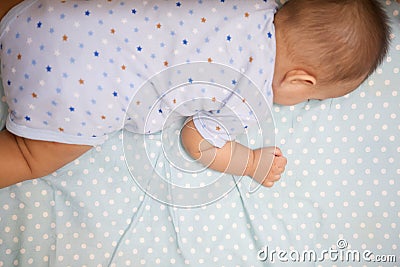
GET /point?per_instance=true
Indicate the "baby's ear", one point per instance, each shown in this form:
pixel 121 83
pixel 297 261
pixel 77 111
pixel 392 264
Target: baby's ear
pixel 300 77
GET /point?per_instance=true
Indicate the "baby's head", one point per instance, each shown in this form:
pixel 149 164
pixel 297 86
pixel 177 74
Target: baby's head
pixel 327 48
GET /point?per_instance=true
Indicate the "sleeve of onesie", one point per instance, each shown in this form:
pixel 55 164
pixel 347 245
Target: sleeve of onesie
pixel 217 129
pixel 236 113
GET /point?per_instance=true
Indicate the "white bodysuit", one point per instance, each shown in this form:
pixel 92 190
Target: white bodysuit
pixel 75 71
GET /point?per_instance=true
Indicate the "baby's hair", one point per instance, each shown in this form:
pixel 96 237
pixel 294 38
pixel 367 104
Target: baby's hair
pixel 339 40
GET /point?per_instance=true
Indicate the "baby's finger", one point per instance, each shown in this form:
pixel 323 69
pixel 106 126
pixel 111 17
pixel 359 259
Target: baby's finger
pixel 276 177
pixel 280 161
pixel 278 152
pixel 273 176
pixel 268 184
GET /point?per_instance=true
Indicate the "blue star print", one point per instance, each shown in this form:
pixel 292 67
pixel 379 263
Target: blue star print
pixel 85 75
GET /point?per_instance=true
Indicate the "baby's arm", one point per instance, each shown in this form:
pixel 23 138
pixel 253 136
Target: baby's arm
pixel 234 158
pixel 23 159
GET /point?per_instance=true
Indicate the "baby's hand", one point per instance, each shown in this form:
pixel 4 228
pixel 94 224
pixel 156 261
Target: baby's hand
pixel 267 166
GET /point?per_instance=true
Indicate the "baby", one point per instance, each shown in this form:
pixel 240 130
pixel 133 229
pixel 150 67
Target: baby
pixel 70 69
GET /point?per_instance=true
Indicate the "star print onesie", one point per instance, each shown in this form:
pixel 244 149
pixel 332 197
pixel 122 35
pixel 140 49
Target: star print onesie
pixel 76 71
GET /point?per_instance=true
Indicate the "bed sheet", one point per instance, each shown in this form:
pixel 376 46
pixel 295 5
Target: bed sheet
pixel 336 205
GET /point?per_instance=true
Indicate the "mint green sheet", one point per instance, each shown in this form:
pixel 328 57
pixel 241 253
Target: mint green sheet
pixel 340 192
